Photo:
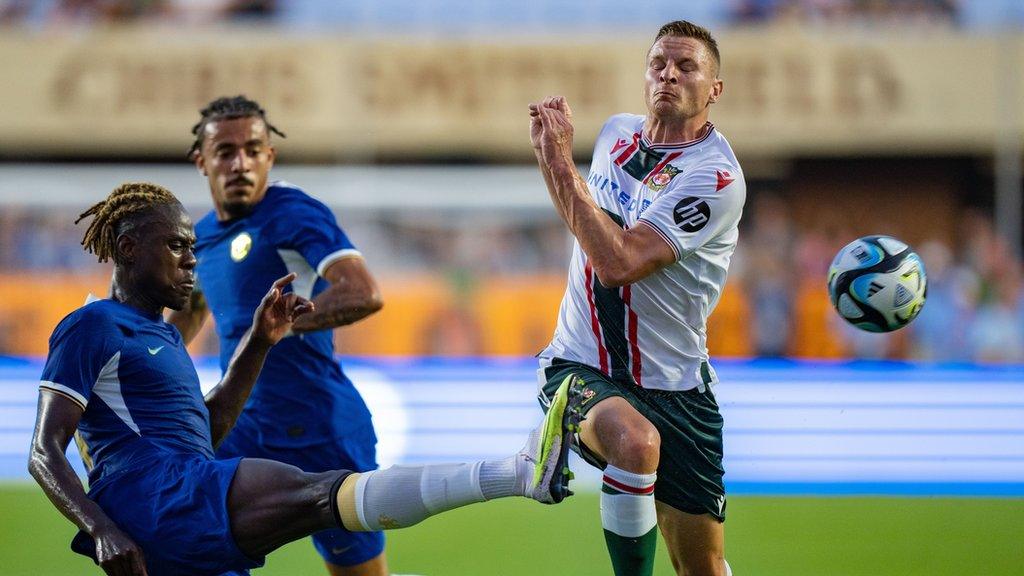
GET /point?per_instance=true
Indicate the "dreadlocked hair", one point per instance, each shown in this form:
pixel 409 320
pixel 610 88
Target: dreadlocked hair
pixel 228 108
pixel 126 200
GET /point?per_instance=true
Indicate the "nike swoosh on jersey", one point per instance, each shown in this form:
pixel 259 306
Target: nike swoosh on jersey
pixel 154 351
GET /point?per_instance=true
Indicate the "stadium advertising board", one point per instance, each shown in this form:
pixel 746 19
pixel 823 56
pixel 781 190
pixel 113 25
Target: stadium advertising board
pixel 787 92
pixel 793 427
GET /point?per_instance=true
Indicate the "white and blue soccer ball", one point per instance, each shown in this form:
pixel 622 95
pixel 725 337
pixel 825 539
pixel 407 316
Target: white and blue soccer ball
pixel 877 283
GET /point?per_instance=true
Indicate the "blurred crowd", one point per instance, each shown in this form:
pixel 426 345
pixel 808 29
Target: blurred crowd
pixel 58 13
pixel 37 240
pixel 848 12
pixel 974 310
pixel 33 240
pixel 484 15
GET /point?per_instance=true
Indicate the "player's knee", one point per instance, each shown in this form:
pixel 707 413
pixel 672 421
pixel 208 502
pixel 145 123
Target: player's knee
pixel 638 449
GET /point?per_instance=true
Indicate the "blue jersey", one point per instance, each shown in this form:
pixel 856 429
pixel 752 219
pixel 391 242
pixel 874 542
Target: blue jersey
pixel 302 396
pixel 130 372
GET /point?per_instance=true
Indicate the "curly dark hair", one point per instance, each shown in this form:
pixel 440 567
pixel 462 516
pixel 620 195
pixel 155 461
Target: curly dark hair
pixel 227 108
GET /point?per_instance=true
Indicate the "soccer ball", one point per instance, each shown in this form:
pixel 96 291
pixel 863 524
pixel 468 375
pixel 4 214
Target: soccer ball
pixel 877 283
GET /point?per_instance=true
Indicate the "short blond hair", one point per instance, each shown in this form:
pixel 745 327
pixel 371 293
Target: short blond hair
pixel 686 29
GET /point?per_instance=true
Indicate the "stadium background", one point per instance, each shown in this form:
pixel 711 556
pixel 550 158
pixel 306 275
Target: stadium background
pixel 408 118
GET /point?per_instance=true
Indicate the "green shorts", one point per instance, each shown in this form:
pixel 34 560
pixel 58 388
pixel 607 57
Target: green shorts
pixel 690 467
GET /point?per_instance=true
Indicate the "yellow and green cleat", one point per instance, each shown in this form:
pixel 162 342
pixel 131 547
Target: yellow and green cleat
pixel 546 454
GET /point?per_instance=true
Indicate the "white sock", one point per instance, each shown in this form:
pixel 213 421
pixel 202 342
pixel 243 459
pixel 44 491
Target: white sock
pixel 627 502
pixel 498 478
pixel 401 496
pixel 728 569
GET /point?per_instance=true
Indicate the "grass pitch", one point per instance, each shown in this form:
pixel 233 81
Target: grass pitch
pixel 777 536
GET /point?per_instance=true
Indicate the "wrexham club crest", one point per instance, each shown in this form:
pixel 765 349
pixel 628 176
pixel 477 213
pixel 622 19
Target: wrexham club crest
pixel 657 182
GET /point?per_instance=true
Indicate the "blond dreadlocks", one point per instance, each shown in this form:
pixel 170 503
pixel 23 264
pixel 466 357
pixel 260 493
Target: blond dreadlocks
pixel 127 199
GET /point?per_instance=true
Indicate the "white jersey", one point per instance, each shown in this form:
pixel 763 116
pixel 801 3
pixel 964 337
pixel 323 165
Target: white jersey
pixel 653 333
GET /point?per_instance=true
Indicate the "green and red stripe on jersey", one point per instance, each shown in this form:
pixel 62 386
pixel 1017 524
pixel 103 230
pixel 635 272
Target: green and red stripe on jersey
pixel 615 325
pixel 642 160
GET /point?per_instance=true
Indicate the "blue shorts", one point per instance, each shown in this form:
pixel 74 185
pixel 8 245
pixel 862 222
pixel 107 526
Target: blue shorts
pixel 176 509
pixel 357 451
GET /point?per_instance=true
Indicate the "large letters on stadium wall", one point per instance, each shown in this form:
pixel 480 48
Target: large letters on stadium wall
pixel 786 92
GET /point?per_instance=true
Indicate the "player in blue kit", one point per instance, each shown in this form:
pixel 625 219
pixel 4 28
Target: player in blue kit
pixel 303 411
pixel 159 504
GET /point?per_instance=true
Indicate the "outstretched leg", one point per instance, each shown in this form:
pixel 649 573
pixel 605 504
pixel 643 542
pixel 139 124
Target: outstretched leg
pixel 271 503
pixel 402 496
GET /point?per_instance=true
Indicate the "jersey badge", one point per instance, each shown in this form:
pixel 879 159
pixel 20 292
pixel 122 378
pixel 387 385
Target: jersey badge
pixel 240 246
pixel 588 395
pixel 659 181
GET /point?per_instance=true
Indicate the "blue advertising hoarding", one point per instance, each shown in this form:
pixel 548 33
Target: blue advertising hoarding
pixel 792 427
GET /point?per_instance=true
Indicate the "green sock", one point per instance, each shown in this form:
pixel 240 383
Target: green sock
pixel 630 520
pixel 632 556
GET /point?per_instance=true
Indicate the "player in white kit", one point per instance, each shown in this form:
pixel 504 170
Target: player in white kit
pixel 655 225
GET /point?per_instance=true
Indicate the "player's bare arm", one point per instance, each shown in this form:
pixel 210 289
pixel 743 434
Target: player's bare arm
pixel 353 294
pixel 618 256
pixel 272 320
pixel 190 319
pixel 536 130
pixel 56 421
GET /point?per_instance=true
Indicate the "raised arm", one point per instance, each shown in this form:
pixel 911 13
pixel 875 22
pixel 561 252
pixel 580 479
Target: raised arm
pixel 618 256
pixel 56 421
pixel 191 318
pixel 272 320
pixel 353 294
